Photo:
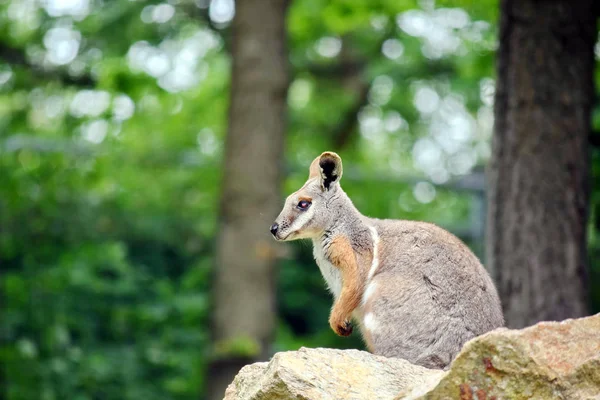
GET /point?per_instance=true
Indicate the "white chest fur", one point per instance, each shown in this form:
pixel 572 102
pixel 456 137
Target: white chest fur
pixel 328 270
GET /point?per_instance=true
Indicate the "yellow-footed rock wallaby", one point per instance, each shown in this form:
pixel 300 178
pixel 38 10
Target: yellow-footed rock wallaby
pixel 417 291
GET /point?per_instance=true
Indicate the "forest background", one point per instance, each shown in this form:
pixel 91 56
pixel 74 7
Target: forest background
pixel 146 147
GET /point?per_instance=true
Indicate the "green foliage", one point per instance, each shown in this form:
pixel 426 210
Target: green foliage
pixel 110 170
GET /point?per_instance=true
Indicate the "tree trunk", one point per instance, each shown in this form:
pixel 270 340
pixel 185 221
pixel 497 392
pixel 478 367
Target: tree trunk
pixel 538 175
pixel 244 287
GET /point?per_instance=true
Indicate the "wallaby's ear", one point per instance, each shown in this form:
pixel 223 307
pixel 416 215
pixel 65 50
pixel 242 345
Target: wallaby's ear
pixel 328 167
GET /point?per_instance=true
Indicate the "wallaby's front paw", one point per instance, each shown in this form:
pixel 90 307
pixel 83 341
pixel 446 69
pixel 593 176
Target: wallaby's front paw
pixel 342 329
pixel 345 329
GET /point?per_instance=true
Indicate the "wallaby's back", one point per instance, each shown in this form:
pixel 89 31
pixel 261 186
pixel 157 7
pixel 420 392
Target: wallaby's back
pixel 429 295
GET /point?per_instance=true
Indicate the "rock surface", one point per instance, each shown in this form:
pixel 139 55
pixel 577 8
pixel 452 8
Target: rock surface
pixel 551 360
pixel 328 374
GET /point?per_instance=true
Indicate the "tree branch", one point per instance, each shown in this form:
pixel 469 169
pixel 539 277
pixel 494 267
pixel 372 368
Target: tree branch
pixel 352 72
pixel 338 70
pixel 342 134
pixel 15 56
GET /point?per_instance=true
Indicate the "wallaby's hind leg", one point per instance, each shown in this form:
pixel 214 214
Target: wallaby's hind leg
pixel 403 321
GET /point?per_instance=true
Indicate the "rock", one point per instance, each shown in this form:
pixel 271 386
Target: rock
pixel 550 360
pixel 328 374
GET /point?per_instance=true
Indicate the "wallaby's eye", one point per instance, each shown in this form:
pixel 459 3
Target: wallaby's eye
pixel 303 204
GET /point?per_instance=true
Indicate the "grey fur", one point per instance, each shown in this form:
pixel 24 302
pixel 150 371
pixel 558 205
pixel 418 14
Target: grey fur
pixel 430 293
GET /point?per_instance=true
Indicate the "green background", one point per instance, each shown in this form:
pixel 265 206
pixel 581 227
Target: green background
pixel 112 121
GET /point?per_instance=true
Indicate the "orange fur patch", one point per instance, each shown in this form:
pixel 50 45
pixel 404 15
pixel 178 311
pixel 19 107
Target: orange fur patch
pixel 342 255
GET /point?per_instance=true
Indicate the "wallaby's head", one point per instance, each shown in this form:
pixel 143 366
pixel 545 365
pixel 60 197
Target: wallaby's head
pixel 309 211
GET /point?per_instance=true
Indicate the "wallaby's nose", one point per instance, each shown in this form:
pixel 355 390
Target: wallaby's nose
pixel 274 228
